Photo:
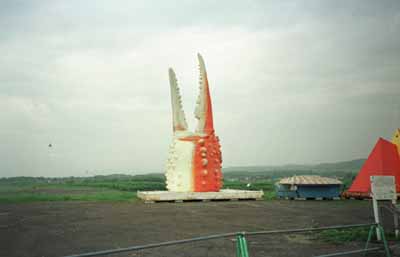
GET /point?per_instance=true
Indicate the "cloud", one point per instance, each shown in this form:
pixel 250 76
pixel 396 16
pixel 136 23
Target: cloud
pixel 291 82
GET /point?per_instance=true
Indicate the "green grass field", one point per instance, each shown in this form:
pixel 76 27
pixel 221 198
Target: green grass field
pixel 98 191
pixel 120 187
pixel 60 192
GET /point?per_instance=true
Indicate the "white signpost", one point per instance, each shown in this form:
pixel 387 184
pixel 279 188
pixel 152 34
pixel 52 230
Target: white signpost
pixel 383 188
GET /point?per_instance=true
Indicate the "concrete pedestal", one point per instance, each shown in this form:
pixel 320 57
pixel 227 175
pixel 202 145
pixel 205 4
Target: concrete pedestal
pixel 225 194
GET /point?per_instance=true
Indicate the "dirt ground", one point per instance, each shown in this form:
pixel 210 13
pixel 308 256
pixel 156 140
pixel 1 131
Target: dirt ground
pixel 64 228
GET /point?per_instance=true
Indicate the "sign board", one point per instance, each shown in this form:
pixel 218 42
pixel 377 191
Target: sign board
pixel 383 187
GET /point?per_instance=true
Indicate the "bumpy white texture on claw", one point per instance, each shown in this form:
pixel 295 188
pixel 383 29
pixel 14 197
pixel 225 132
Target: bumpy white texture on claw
pixel 179 166
pixel 178 115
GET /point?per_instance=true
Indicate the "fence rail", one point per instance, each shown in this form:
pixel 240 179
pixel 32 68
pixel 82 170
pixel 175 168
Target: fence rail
pixel 241 245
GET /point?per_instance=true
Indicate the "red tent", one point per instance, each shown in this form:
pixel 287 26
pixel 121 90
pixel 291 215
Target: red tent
pixel 384 160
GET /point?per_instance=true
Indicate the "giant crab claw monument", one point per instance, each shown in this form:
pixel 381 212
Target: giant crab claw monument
pixel 194 162
pixel 193 168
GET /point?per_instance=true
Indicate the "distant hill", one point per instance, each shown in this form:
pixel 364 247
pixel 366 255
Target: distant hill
pixel 346 166
pixel 353 165
pixel 345 169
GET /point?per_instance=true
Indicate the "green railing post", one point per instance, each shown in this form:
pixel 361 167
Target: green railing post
pixel 241 246
pixel 245 250
pixel 382 234
pixel 371 231
pixel 385 243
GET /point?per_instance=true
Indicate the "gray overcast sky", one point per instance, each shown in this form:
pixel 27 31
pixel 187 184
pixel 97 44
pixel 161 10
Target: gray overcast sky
pixel 291 82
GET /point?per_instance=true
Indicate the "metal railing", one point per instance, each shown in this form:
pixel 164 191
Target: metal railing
pixel 241 243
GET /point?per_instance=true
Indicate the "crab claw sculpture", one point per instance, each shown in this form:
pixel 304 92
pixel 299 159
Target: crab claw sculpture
pixel 194 161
